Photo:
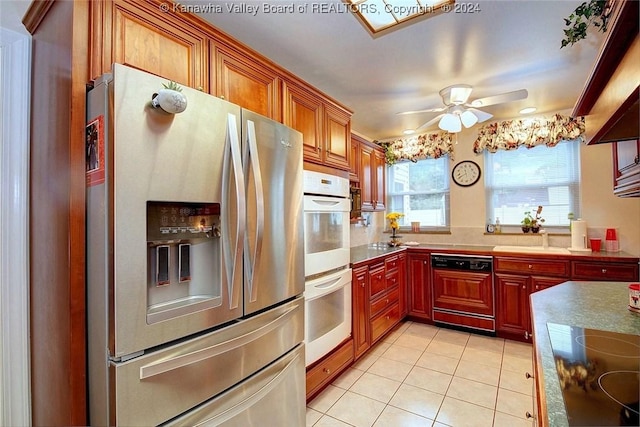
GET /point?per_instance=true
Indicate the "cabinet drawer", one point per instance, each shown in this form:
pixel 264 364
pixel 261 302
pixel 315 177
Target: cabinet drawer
pixel 391 263
pixel 381 303
pixel 605 271
pixel 329 368
pixel 532 266
pixel 378 281
pixel 384 322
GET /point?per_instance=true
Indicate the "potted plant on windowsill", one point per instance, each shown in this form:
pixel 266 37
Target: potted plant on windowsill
pixel 532 223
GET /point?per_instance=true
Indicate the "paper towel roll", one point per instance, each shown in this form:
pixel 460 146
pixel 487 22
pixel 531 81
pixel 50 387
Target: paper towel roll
pixel 578 234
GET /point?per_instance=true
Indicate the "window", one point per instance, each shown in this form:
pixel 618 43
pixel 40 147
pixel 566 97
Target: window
pixel 420 191
pixel 520 180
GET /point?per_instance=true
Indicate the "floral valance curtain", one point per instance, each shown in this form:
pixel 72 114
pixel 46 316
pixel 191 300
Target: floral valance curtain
pixel 511 134
pixel 418 147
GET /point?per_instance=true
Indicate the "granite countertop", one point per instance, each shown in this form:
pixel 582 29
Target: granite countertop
pixel 594 305
pixel 371 251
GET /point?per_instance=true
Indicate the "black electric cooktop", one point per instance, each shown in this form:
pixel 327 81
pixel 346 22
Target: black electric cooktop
pixel 599 373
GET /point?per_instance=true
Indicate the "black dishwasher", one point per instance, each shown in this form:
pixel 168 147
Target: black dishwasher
pixel 463 293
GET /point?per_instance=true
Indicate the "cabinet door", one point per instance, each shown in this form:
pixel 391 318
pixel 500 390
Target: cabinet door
pixel 360 313
pixel 247 82
pixel 337 137
pixel 513 305
pixel 165 44
pixel 419 286
pixel 303 111
pixel 354 160
pixel 402 284
pixel 366 174
pixel 379 179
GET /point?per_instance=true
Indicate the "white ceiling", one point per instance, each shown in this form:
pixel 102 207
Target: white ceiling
pixel 505 46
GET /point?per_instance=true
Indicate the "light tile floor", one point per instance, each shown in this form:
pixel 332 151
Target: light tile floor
pixel 423 375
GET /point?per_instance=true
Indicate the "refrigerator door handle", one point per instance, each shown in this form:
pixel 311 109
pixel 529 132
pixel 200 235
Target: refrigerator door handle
pixel 232 164
pixel 251 160
pixel 157 368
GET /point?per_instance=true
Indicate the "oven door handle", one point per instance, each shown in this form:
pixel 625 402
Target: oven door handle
pixel 327 285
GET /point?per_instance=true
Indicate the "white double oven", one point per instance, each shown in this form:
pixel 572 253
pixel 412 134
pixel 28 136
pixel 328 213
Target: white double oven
pixel 326 260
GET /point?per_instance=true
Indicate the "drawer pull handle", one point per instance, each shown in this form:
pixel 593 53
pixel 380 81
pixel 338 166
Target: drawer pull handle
pixel 528 376
pixel 326 370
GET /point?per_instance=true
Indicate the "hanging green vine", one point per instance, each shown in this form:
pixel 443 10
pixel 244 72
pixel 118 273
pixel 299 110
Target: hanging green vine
pixel 593 13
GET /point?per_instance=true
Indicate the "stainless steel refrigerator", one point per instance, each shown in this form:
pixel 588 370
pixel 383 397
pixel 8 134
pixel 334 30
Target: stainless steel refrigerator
pixel 195 259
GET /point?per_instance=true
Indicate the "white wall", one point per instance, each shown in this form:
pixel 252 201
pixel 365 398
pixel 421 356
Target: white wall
pixel 600 208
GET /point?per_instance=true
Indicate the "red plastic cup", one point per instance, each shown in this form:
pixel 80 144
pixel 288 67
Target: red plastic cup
pixel 595 245
pixel 611 234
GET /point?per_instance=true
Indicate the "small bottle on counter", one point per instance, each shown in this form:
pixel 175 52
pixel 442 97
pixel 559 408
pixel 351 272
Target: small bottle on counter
pixel 498 227
pixel 490 227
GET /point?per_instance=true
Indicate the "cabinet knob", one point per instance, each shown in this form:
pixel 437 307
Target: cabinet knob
pixel 221 96
pixel 524 287
pixel 424 262
pixel 326 370
pixel 604 271
pixel 388 317
pixel 530 266
pixel 362 284
pixel 527 375
pixel 528 414
pixel 386 301
pixel 537 288
pixel 526 335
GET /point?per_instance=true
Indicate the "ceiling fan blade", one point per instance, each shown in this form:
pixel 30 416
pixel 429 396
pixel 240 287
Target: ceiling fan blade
pixel 430 122
pixel 430 110
pixel 481 115
pixel 499 99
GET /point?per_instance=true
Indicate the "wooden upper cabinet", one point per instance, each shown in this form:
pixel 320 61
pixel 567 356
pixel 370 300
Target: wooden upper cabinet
pixel 354 160
pixel 372 176
pixel 246 81
pixel 135 34
pixel 325 126
pixel 303 111
pixel 337 137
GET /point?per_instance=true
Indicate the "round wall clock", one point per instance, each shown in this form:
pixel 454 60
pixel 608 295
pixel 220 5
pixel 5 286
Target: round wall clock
pixel 466 173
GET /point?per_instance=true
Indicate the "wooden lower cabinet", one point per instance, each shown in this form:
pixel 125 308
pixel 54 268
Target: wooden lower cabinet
pixel 515 279
pixel 327 369
pixel 360 311
pixel 378 299
pixel 419 285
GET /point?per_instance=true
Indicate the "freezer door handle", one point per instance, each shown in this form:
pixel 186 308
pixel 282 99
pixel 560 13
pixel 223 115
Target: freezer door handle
pixel 232 164
pixel 157 368
pixel 251 160
pixel 256 397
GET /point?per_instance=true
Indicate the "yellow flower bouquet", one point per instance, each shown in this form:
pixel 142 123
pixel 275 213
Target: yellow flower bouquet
pixel 393 218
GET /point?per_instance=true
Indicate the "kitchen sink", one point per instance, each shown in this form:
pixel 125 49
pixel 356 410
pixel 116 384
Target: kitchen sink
pixel 532 249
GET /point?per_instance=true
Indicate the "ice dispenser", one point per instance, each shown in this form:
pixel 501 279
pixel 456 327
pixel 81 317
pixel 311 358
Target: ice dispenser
pixel 183 258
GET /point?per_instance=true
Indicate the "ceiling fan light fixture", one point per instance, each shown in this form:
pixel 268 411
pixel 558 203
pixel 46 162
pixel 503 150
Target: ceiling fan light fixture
pixel 450 122
pixel 468 119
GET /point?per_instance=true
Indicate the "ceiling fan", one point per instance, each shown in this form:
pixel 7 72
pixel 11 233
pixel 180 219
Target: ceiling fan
pixel 458 112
